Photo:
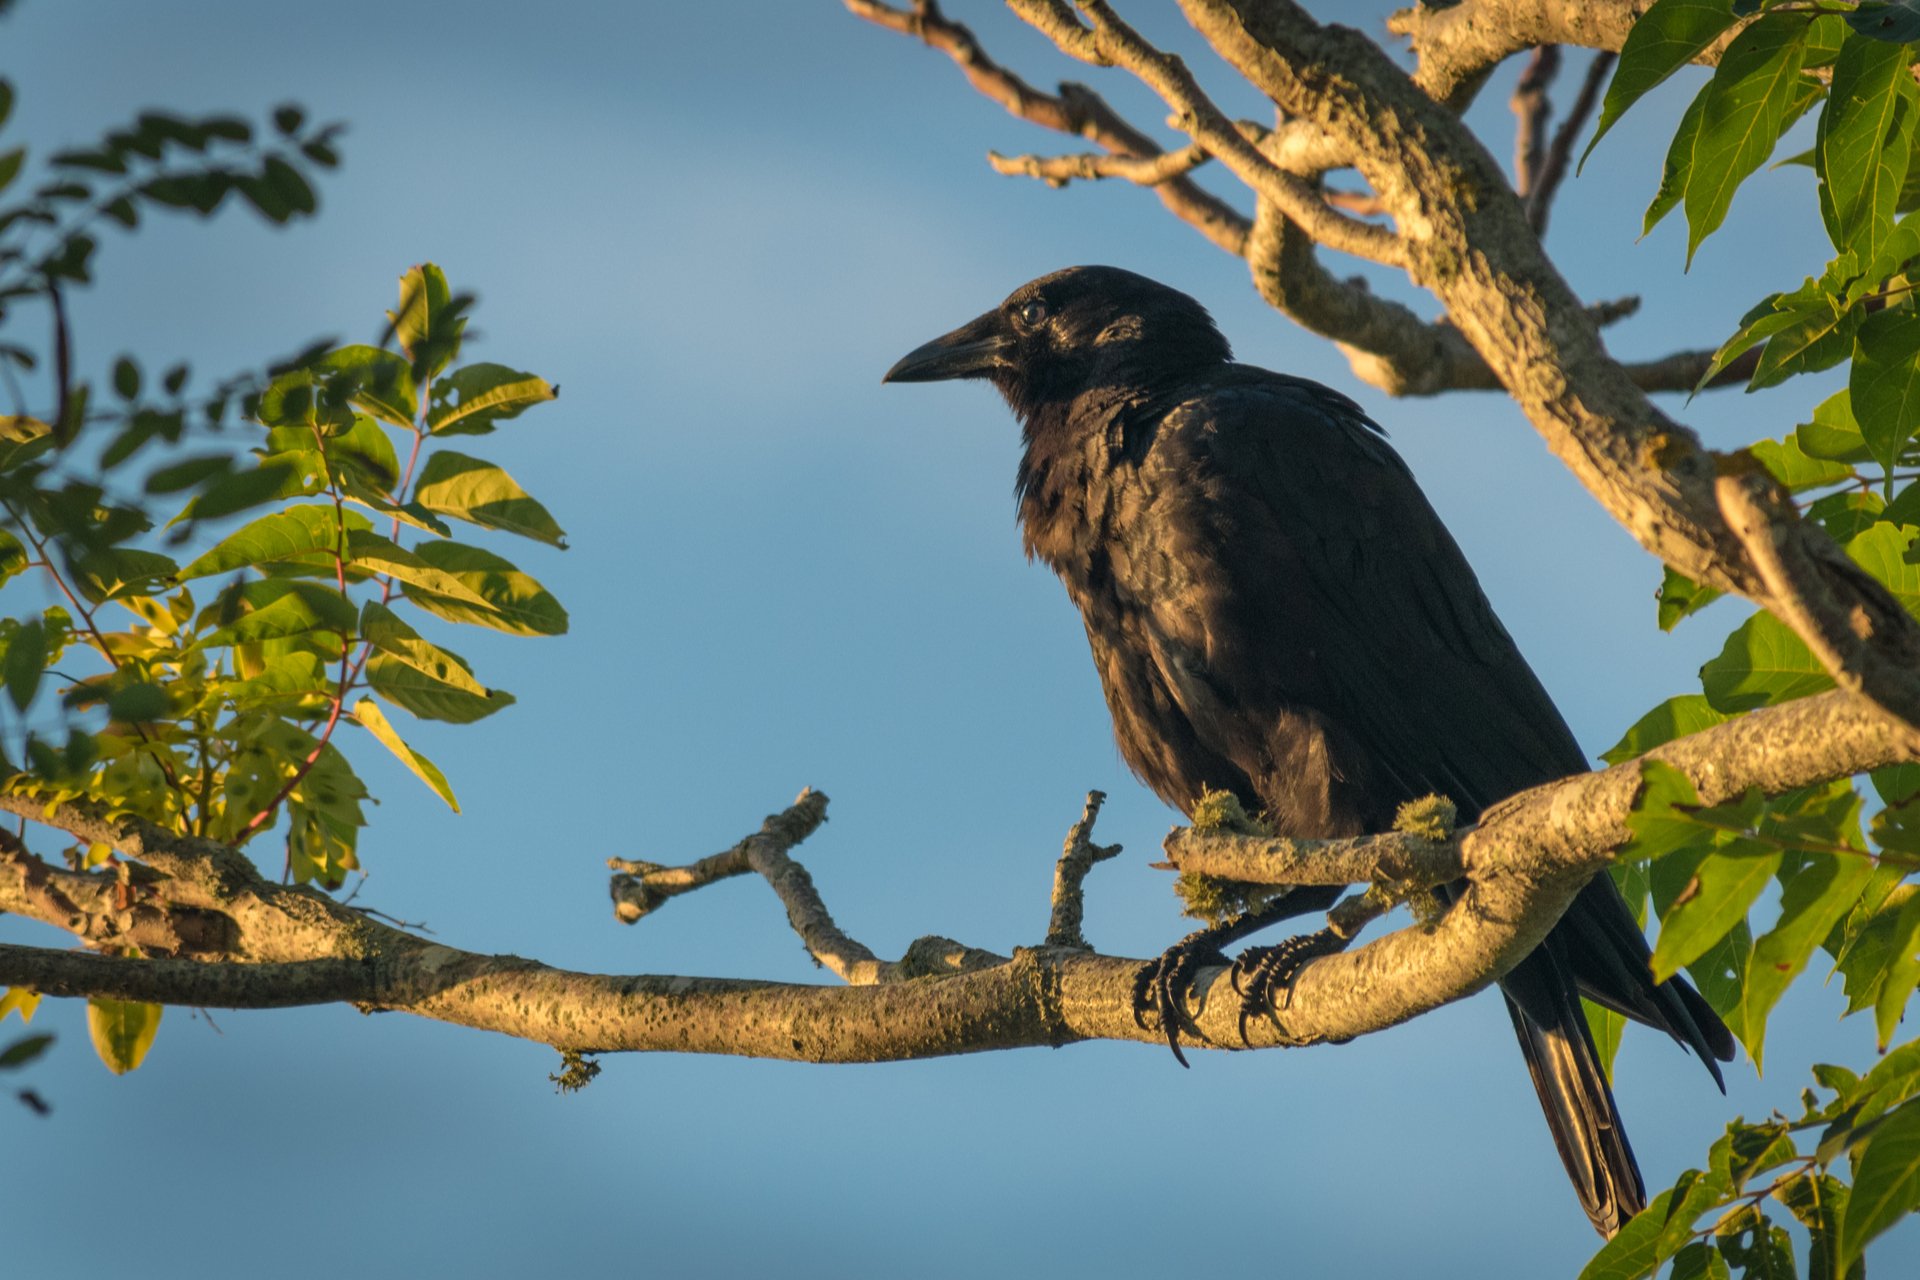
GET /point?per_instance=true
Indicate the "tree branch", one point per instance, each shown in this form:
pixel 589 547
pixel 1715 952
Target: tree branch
pixel 1532 108
pixel 1459 45
pixel 1076 110
pixel 1523 863
pixel 1077 858
pixel 1553 170
pixel 1112 42
pixel 1468 240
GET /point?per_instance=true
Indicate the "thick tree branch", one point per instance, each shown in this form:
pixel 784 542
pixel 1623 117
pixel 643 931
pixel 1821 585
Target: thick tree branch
pixel 1468 240
pixel 1458 45
pixel 1523 863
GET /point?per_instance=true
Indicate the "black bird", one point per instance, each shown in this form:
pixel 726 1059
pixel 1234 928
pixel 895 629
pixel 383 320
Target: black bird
pixel 1275 610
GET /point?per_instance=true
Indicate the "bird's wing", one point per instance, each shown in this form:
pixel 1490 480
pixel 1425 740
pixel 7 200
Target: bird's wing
pixel 1329 585
pixel 1336 588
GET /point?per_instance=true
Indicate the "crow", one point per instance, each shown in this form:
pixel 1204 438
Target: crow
pixel 1276 611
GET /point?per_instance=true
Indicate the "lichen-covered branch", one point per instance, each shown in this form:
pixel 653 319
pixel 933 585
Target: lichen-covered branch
pixel 291 945
pixel 1077 857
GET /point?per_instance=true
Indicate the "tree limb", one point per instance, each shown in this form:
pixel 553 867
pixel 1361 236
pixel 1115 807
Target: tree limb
pixel 1076 109
pixel 1523 863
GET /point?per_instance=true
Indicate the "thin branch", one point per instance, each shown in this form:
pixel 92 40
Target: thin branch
pixel 1559 157
pixel 1075 110
pixel 1077 858
pixel 640 887
pixel 1532 108
pixel 1111 42
pixel 1145 171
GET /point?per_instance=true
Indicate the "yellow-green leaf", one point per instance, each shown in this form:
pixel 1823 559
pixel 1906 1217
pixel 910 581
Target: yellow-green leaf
pixel 368 713
pixel 122 1031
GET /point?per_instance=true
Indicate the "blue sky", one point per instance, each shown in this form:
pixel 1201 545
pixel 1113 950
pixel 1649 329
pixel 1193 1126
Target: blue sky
pixel 715 226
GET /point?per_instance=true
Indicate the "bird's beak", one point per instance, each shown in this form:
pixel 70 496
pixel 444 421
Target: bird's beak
pixel 975 350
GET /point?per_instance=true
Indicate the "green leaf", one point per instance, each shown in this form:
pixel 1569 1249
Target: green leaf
pixel 1794 468
pixel 24 1050
pixel 1670 34
pixel 368 713
pixel 1747 100
pixel 275 608
pixel 294 676
pixel 1775 313
pixel 111 573
pixel 1886 1182
pixel 1863 145
pixel 1606 1027
pixel 1662 819
pixel 1678 165
pixel 359 492
pixel 515 602
pixel 10 162
pixel 1720 975
pixel 1833 433
pixel 1818 1201
pixel 1750 1241
pixel 1634 1251
pixel 295 473
pixel 378 381
pixel 122 1031
pixel 13 557
pixel 283 535
pixel 1725 885
pixel 425 679
pixel 428 323
pixel 376 554
pixel 1885 382
pixel 1848 514
pixel 1883 551
pixel 302 398
pixel 364 447
pixel 138 703
pixel 477 491
pixel 1680 596
pixel 1819 338
pixel 1675 718
pixel 475 399
pixel 1895 20
pixel 1699 1261
pixel 1761 664
pixel 1900 968
pixel 1816 898
pixel 189 473
pixel 25 661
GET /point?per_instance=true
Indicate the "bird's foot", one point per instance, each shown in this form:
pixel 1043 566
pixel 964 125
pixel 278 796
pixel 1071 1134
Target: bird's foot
pixel 1261 972
pixel 1161 987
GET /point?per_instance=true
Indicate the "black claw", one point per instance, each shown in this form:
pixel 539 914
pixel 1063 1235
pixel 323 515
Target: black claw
pixel 1160 988
pixel 1261 970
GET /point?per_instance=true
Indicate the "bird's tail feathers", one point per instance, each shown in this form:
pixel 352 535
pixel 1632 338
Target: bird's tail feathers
pixel 1574 1094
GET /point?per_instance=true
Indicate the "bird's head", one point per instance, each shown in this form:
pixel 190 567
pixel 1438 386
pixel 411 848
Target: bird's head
pixel 1071 332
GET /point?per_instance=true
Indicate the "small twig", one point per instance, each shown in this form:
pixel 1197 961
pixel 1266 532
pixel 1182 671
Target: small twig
pixel 1112 42
pixel 1075 110
pixel 1560 155
pixel 639 887
pixel 1077 858
pixel 1145 171
pixel 1532 109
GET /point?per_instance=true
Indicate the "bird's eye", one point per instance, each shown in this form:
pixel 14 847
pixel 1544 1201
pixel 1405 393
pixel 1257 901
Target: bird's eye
pixel 1033 312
